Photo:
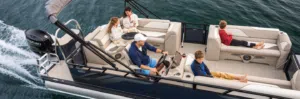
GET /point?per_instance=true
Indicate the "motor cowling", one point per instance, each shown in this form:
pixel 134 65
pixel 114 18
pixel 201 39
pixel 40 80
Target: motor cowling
pixel 39 41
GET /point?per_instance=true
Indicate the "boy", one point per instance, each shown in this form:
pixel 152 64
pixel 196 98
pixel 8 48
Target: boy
pixel 226 38
pixel 200 69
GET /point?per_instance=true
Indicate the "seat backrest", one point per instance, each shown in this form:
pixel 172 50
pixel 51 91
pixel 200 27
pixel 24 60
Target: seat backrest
pixel 296 81
pixel 91 35
pixel 153 25
pixel 257 32
pixel 189 60
pixel 102 38
pixel 127 54
pixel 213 44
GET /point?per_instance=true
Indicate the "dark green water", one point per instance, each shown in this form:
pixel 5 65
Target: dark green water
pixel 18 15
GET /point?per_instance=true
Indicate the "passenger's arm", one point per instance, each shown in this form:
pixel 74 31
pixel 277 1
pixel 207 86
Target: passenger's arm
pixel 153 49
pixel 136 21
pixel 228 33
pixel 150 47
pixel 114 35
pixel 161 51
pixel 198 71
pixel 207 70
pixel 126 23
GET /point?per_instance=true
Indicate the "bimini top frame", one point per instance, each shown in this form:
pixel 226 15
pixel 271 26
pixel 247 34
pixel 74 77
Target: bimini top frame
pixel 54 7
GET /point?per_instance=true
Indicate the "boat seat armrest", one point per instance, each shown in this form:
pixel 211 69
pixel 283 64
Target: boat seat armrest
pixel 173 38
pixel 284 42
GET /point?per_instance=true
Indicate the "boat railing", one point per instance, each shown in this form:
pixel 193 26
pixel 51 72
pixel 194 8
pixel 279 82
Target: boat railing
pixel 56 43
pixel 46 62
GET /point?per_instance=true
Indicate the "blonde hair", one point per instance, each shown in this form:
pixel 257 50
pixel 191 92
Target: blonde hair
pixel 112 22
pixel 222 24
pixel 199 54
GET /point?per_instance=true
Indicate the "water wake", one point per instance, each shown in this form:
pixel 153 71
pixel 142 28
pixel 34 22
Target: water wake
pixel 12 74
pixel 14 59
pixel 13 48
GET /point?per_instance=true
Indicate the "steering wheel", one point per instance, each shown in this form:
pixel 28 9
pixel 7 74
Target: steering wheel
pixel 162 59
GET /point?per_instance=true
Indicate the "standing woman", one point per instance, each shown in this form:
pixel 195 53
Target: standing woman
pixel 130 21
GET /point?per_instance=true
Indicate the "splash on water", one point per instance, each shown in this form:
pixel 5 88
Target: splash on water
pixel 14 59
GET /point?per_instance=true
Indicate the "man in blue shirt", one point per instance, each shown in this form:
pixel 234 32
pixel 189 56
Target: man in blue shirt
pixel 139 57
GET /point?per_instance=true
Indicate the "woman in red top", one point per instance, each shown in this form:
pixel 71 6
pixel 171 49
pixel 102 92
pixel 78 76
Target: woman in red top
pixel 226 38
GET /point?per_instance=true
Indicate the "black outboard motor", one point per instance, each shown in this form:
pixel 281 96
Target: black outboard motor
pixel 39 41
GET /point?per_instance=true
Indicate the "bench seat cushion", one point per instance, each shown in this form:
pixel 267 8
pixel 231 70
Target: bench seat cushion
pixel 251 51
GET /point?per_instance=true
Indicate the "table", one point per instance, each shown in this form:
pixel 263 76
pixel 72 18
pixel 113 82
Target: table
pixel 130 35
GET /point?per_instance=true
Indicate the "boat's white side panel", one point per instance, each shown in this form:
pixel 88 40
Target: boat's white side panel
pixel 61 71
pixel 273 91
pixel 81 91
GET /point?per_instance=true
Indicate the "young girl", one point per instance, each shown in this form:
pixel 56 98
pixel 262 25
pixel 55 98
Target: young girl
pixel 115 32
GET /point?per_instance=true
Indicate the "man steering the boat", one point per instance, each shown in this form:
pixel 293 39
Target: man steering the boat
pixel 139 57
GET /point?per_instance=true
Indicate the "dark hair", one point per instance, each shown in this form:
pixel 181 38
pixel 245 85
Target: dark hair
pixel 126 9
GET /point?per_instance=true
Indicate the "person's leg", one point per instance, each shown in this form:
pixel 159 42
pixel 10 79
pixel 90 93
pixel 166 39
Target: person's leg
pixel 229 77
pixel 235 42
pixel 152 64
pixel 222 75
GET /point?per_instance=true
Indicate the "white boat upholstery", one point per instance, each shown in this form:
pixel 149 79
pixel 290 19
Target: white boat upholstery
pixel 296 81
pixel 277 43
pixel 100 38
pixel 277 82
pixel 255 84
pixel 161 33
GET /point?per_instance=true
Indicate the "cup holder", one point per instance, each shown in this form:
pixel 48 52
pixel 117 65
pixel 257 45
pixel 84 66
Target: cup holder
pixel 177 74
pixel 188 76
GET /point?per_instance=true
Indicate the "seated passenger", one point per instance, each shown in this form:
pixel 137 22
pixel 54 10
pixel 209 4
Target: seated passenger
pixel 130 21
pixel 139 57
pixel 226 38
pixel 200 69
pixel 116 32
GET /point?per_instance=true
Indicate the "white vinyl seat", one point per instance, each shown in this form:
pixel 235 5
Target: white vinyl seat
pixel 100 38
pixel 277 45
pixel 163 34
pixel 255 84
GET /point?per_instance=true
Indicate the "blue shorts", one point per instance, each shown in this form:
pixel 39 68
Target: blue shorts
pixel 152 63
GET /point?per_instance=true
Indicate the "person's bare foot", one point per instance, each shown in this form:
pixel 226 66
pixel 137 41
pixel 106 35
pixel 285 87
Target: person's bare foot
pixel 261 47
pixel 260 43
pixel 243 79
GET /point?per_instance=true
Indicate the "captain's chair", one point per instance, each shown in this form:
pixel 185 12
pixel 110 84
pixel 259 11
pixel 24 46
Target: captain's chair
pixel 126 55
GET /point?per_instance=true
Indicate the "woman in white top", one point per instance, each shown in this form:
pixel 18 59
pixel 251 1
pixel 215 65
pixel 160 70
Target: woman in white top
pixel 130 21
pixel 115 32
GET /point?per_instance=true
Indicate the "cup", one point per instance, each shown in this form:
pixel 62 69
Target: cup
pixel 183 55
